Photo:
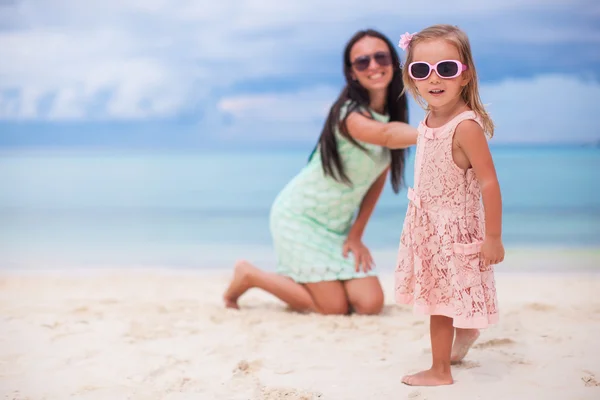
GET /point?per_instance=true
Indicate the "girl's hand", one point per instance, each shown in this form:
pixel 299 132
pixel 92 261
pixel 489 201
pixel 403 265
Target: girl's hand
pixel 492 250
pixel 362 255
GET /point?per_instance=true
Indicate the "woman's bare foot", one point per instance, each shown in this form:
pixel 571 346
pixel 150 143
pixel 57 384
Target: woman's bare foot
pixel 240 283
pixel 463 340
pixel 429 377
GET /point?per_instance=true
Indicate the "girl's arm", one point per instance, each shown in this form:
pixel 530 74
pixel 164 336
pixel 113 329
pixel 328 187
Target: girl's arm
pixel 393 135
pixel 472 141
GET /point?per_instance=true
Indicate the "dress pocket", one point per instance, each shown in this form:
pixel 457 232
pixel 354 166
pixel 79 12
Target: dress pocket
pixel 467 261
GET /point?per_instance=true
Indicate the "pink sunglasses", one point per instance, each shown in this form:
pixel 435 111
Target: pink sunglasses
pixel 446 69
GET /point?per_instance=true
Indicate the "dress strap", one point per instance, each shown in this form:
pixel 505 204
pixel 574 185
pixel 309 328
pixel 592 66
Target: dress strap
pixel 447 130
pixel 463 116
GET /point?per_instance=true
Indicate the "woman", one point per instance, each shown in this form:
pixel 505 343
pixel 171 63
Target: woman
pixel 312 219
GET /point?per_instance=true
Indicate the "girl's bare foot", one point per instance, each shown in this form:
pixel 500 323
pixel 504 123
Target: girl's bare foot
pixel 240 283
pixel 429 377
pixel 463 341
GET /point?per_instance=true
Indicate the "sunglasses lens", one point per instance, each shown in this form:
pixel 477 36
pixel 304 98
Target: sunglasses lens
pixel 362 63
pixel 447 69
pixel 419 70
pixel 383 59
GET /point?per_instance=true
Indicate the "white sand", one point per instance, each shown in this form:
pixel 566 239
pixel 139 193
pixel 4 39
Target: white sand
pixel 165 335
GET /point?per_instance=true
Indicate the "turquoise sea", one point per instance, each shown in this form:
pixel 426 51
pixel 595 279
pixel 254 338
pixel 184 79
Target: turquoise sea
pixel 183 209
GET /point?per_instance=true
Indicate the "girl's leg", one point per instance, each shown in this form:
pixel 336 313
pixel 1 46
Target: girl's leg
pixel 463 340
pixel 442 333
pixel 322 297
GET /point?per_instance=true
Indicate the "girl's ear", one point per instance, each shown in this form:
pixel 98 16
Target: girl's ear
pixel 465 78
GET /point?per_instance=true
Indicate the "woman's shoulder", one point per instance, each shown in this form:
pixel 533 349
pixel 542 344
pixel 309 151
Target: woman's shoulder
pixel 347 106
pixel 353 106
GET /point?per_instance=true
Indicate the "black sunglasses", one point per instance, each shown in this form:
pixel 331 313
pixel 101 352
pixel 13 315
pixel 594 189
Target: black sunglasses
pixel 383 58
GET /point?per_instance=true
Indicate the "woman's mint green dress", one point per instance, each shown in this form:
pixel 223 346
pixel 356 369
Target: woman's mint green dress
pixel 311 217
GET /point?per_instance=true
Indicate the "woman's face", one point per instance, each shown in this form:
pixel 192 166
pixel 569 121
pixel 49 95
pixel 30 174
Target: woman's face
pixel 371 63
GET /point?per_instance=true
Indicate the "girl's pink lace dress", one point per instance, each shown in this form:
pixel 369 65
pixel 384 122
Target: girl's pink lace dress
pixel 439 268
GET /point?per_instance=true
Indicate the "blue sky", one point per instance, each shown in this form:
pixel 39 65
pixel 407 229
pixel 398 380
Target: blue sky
pixel 262 73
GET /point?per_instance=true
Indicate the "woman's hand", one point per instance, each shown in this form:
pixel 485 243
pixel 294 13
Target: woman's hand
pixel 492 250
pixel 362 255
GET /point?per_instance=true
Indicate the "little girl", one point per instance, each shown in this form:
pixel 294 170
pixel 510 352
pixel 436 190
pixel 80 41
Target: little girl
pixel 450 241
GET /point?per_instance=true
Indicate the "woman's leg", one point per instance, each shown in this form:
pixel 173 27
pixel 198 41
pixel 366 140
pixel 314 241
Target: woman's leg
pixel 365 295
pixel 247 276
pixel 329 297
pixel 321 297
pixel 442 333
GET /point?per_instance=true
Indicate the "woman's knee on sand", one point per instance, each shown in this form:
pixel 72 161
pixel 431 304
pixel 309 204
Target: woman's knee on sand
pixel 362 296
pixel 365 295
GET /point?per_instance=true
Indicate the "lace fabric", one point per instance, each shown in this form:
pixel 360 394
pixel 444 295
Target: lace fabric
pixel 439 268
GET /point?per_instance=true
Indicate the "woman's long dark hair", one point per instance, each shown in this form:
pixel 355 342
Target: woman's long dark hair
pixel 397 109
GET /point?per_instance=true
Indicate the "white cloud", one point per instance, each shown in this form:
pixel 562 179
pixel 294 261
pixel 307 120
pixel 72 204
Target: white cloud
pixel 67 105
pixel 550 108
pixel 134 59
pixel 295 107
pixel 273 117
pixel 76 69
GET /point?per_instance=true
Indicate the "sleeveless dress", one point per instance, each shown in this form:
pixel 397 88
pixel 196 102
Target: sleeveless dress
pixel 439 269
pixel 312 215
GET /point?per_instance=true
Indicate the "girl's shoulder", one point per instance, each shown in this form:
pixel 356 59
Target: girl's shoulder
pixel 468 118
pixel 453 121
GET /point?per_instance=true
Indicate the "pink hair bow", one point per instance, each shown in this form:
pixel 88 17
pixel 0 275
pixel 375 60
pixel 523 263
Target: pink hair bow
pixel 405 40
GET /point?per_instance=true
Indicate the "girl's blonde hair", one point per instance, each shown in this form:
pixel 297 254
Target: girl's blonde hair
pixel 470 93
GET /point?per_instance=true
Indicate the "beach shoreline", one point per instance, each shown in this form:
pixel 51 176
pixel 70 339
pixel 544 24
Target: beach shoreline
pixel 221 258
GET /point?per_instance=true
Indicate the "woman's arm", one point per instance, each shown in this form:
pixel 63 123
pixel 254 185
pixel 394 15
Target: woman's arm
pixel 367 206
pixel 393 135
pixel 354 244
